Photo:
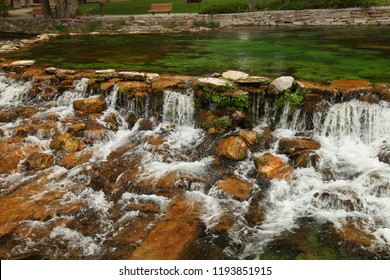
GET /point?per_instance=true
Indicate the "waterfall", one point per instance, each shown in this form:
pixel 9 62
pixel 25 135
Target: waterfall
pixel 66 99
pixel 179 108
pixel 355 119
pixel 12 92
pixel 111 101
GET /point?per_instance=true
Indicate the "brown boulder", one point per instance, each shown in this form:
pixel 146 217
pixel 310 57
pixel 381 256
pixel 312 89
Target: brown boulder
pixel 11 154
pixel 305 158
pixel 236 187
pixel 174 236
pixel 250 137
pixel 291 145
pixel 271 167
pixel 233 147
pixel 32 201
pixel 145 124
pixel 88 106
pixel 39 161
pixel 171 183
pixel 352 233
pixel 75 159
pixel 8 116
pixel 46 130
pixel 23 130
pixel 65 142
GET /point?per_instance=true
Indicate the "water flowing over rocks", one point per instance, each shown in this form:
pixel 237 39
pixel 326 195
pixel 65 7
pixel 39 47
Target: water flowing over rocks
pixel 271 167
pixel 235 187
pixel 122 165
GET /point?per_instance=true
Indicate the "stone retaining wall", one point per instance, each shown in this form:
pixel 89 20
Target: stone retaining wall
pixel 193 22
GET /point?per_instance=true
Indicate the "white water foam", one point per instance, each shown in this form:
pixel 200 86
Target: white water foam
pixel 349 183
pixel 179 108
pixel 13 92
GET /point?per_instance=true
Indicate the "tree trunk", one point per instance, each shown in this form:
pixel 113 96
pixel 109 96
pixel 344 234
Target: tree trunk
pixel 66 8
pixel 46 11
pixel 251 5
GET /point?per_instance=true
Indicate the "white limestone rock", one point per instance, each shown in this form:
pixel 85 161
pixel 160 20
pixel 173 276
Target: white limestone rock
pixel 22 63
pixel 215 82
pixel 51 70
pixel 133 76
pixel 65 72
pixel 105 71
pixel 151 76
pixel 281 84
pixel 234 75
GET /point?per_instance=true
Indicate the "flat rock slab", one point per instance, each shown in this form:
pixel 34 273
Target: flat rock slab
pixel 22 63
pixel 234 75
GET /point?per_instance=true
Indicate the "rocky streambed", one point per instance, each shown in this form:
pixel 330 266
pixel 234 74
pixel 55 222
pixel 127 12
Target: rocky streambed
pixel 103 164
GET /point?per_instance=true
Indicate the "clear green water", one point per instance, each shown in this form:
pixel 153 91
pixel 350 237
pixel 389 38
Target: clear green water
pixel 318 54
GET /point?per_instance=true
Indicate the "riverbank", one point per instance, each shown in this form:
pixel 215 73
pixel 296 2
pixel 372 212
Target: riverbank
pixel 196 22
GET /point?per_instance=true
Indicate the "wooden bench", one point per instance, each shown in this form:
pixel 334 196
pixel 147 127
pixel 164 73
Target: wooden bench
pixel 37 12
pixel 161 8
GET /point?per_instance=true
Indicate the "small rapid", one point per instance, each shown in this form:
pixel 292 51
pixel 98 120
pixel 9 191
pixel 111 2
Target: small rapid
pixel 120 189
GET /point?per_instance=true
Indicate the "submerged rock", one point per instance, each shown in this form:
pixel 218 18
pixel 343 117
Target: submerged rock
pixel 75 159
pixel 291 145
pixel 250 137
pixel 271 167
pixel 236 187
pixel 39 161
pixel 65 142
pixel 173 237
pixel 233 148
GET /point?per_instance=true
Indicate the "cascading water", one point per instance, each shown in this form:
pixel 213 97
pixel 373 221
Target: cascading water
pixel 355 119
pixel 179 108
pixel 350 184
pixel 12 93
pixel 106 199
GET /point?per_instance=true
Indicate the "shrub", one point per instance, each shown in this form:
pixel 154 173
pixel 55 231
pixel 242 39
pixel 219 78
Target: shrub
pixel 229 8
pixel 221 123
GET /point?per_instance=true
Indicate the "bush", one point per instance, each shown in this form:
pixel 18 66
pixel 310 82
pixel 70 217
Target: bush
pixel 229 8
pixel 320 4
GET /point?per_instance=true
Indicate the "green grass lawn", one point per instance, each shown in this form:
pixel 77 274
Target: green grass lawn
pixel 142 6
pixel 128 7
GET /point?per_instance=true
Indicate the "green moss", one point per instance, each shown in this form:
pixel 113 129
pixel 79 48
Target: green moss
pixel 310 242
pixel 219 96
pixel 295 98
pixel 221 123
pixel 122 91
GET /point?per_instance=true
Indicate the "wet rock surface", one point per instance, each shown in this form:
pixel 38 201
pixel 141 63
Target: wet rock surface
pixel 87 177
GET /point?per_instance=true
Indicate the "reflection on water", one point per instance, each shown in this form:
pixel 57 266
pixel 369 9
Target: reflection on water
pixel 318 53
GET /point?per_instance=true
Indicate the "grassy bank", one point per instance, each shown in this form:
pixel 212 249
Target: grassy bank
pixel 129 7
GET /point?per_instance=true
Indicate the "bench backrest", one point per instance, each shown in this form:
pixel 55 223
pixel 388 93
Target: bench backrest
pixel 161 7
pixel 37 11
